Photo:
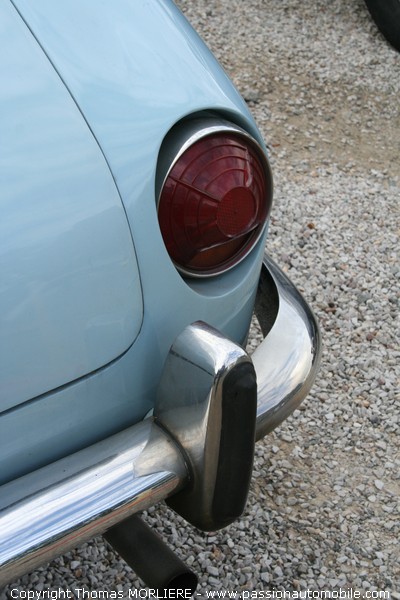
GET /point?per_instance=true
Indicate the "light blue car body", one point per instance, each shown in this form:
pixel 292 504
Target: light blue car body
pixel 90 301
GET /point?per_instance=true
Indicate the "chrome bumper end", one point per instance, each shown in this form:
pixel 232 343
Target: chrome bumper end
pixel 287 360
pixel 180 454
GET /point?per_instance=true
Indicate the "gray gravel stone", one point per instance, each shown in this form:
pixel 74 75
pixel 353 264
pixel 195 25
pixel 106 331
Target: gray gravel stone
pixel 323 510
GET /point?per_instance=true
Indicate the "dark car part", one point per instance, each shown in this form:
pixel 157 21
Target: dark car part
pixel 386 14
pixel 215 195
pixel 150 558
pixel 89 492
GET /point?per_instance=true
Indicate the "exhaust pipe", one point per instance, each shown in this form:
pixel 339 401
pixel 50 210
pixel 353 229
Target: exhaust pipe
pixel 150 557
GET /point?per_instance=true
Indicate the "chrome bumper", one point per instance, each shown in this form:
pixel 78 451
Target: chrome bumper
pixel 60 506
pixel 287 361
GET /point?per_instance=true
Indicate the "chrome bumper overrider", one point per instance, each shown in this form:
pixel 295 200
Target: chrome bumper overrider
pixel 56 508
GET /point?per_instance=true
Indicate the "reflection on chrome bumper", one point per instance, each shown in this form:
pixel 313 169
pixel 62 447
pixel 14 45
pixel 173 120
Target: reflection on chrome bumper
pixel 58 507
pixel 286 362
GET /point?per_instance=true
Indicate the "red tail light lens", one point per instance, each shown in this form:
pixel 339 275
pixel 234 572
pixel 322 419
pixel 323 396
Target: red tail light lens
pixel 214 202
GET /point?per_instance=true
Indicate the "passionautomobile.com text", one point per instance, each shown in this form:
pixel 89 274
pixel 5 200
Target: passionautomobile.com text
pixel 79 593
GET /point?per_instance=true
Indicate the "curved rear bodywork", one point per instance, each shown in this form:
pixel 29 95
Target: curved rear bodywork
pixel 70 295
pixel 104 88
pixel 125 377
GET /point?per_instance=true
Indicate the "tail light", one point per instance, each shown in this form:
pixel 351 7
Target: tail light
pixel 215 200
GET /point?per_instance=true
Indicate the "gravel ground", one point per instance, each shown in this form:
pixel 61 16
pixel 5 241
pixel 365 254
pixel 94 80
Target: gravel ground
pixel 323 511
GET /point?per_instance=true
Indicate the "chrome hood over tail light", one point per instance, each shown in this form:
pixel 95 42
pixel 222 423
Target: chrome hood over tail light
pixel 214 193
